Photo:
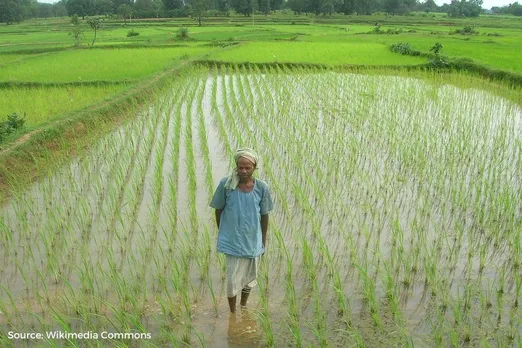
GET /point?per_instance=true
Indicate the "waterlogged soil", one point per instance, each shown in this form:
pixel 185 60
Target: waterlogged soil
pixel 397 206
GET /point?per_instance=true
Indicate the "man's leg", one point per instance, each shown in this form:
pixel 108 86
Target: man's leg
pixel 232 303
pixel 244 295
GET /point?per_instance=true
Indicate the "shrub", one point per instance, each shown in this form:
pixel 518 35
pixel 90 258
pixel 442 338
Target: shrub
pixel 13 124
pixel 183 33
pixel 132 33
pixel 467 30
pixel 404 48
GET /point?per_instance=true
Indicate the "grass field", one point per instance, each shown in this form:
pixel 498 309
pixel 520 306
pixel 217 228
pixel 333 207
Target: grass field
pixel 328 53
pixel 43 104
pixel 98 64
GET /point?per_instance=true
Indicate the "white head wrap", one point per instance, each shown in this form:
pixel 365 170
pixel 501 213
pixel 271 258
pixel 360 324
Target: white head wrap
pixel 249 154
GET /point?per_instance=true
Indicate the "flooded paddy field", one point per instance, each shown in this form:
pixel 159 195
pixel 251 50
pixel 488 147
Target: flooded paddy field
pixel 397 219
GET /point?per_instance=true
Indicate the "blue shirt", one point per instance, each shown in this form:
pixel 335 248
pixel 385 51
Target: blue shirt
pixel 240 223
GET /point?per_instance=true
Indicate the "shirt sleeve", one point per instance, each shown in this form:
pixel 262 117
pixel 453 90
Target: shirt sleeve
pixel 266 203
pixel 218 201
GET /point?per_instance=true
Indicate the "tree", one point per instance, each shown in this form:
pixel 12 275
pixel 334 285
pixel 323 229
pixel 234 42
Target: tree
pixel 276 4
pixel 198 9
pixel 95 25
pixel 223 6
pixel 244 7
pixel 429 6
pixel 45 10
pixel 104 7
pixel 171 6
pixel 147 8
pixel 464 8
pixel 11 11
pixel 82 8
pixel 264 6
pixel 76 32
pixel 514 9
pixel 125 11
pixel 59 9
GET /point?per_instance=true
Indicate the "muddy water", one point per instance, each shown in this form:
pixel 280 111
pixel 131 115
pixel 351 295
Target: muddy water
pixel 388 182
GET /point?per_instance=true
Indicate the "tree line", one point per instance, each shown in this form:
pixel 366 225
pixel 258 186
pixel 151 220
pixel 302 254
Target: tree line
pixel 12 11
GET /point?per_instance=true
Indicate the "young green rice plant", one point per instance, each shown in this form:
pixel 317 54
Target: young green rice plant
pixel 204 149
pixel 319 327
pixel 370 296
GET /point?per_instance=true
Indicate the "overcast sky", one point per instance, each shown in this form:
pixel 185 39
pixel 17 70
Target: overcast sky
pixel 485 3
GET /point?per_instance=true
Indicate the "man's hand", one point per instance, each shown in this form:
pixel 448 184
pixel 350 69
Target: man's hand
pixel 218 216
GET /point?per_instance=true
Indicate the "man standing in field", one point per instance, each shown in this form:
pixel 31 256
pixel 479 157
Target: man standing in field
pixel 242 204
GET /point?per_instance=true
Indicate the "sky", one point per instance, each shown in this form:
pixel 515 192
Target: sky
pixel 487 4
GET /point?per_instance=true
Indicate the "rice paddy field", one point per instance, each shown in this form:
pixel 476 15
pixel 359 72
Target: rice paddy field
pixel 50 103
pixel 397 220
pixel 397 189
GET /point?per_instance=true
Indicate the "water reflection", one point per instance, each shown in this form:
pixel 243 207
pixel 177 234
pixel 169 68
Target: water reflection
pixel 243 330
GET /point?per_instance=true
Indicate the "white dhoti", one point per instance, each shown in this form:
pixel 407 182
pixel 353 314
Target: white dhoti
pixel 241 273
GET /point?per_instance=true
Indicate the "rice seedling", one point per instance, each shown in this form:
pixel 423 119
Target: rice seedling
pixel 397 215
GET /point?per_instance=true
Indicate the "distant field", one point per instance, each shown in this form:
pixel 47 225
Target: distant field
pixel 318 52
pixel 42 51
pixel 4 59
pixel 98 64
pixel 43 104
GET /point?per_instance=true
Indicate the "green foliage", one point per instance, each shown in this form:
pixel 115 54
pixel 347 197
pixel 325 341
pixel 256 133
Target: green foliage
pixel 11 11
pixel 198 9
pixel 404 48
pixel 95 25
pixel 77 32
pixel 125 11
pixel 464 8
pixel 183 33
pixel 438 61
pixel 13 124
pixel 435 49
pixel 244 7
pixel 132 33
pixel 81 8
pixel 390 31
pixel 467 30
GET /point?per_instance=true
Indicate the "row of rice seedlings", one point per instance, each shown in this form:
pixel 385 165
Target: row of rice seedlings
pixel 54 222
pixel 244 125
pixel 294 320
pixel 203 142
pixel 389 203
pixel 414 264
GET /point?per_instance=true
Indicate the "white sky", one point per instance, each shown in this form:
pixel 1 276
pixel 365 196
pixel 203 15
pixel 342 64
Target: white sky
pixel 487 4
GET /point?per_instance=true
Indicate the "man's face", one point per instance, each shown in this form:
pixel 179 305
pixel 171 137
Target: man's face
pixel 245 168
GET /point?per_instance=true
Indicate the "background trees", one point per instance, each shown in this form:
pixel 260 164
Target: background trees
pixel 12 11
pixel 465 8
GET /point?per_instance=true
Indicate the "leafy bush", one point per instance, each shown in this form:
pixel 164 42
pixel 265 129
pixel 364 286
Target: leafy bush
pixel 438 60
pixel 13 124
pixel 183 33
pixel 132 33
pixel 404 48
pixel 467 30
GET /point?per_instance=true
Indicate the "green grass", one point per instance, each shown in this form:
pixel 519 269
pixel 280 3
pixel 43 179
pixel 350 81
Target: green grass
pixel 98 64
pixel 47 103
pixel 496 53
pixel 9 58
pixel 329 53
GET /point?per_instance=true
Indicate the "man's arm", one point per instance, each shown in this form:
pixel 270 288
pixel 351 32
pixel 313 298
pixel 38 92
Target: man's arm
pixel 218 216
pixel 264 228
